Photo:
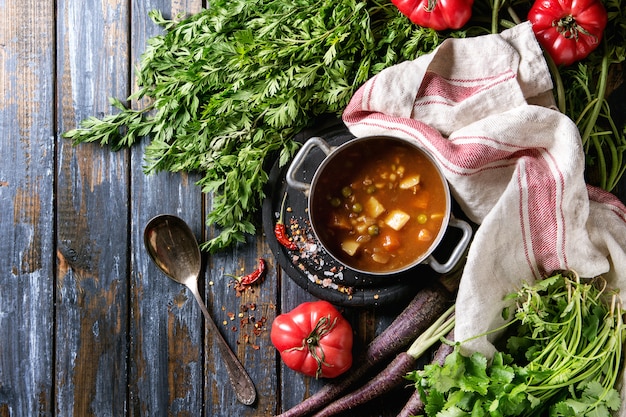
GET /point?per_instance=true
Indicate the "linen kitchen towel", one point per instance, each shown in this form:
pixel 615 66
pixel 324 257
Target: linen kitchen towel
pixel 483 107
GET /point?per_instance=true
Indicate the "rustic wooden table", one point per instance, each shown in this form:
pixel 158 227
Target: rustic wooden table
pixel 88 325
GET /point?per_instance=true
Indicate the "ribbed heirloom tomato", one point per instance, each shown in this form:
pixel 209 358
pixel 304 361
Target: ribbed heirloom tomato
pixel 436 14
pixel 314 339
pixel 568 29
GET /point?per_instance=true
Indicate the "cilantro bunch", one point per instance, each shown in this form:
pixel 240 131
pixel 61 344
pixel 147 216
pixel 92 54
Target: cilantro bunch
pixel 561 358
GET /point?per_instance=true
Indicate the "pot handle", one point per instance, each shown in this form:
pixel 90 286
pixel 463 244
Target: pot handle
pixel 300 158
pixel 459 249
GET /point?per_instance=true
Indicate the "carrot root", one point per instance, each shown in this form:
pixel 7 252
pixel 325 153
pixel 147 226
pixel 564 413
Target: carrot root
pixel 391 377
pixel 414 404
pixel 444 350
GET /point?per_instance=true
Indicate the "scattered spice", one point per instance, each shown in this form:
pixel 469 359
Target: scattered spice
pixel 311 258
pixel 251 326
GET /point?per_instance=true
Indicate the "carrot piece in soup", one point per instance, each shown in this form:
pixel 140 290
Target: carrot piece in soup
pixel 391 242
pixel 425 235
pixel 422 200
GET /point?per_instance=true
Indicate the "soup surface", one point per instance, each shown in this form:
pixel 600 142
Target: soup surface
pixel 379 206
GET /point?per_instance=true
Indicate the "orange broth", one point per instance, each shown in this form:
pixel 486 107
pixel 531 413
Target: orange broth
pixel 380 206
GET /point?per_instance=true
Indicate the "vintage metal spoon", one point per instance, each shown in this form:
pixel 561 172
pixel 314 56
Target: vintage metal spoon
pixel 174 249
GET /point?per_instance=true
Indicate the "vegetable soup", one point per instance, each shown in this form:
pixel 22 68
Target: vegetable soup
pixel 380 206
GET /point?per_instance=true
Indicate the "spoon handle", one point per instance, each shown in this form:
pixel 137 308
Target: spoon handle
pixel 239 378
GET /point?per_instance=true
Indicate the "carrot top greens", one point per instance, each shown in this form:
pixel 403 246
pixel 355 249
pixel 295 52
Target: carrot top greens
pixel 233 84
pixel 561 358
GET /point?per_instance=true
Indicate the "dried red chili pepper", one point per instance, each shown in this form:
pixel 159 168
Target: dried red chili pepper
pixel 247 280
pixel 254 276
pixel 280 230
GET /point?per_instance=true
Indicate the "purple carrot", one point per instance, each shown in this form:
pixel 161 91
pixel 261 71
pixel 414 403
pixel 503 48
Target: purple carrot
pixel 389 378
pixel 444 350
pixel 415 405
pixel 422 311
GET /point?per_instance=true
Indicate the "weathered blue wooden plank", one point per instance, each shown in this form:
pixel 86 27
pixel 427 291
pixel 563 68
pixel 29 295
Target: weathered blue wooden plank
pixel 245 321
pixel 166 333
pixel 92 214
pixel 26 207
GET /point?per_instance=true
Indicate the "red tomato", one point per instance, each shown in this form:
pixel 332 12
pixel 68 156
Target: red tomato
pixel 568 29
pixel 315 339
pixel 436 14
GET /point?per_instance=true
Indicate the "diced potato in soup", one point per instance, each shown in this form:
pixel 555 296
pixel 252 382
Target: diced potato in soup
pixel 373 207
pixel 397 219
pixel 382 207
pixel 350 247
pixel 410 182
